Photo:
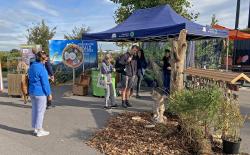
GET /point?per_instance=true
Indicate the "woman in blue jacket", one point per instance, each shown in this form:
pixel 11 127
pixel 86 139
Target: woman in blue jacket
pixel 39 90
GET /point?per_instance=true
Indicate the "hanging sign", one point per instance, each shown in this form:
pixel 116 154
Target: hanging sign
pixel 89 48
pixel 72 56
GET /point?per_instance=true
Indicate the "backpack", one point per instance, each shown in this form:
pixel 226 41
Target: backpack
pixel 25 85
pixel 118 66
pixel 25 88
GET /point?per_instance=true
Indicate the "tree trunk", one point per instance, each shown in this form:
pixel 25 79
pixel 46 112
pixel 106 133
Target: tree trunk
pixel 178 54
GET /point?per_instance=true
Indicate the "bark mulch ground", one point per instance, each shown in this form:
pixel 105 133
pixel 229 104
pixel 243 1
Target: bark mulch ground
pixel 127 134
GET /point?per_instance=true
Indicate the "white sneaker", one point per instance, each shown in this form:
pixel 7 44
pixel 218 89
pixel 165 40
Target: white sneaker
pixel 35 131
pixel 41 133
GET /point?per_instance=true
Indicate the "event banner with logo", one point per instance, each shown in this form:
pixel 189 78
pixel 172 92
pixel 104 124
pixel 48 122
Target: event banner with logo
pixel 89 48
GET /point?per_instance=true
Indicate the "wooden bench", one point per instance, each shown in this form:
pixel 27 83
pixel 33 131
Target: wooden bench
pixel 229 78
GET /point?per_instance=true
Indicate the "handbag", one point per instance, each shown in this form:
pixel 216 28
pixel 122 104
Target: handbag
pixel 101 81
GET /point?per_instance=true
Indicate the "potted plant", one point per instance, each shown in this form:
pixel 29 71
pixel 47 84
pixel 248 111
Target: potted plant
pixel 232 123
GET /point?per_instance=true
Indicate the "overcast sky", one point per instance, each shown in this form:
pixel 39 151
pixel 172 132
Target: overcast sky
pixel 225 11
pixel 17 15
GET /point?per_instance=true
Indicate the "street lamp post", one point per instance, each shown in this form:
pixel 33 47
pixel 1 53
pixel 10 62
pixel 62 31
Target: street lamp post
pixel 237 15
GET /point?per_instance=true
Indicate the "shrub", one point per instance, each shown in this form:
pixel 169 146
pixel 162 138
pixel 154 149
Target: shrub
pixel 197 108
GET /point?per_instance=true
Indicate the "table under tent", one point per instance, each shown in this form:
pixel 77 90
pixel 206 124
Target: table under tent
pixel 159 24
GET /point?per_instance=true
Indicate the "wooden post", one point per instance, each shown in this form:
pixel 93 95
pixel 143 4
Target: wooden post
pixel 227 48
pixel 178 54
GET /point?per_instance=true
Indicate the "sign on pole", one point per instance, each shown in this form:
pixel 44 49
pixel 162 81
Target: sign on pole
pixel 72 56
pixel 89 49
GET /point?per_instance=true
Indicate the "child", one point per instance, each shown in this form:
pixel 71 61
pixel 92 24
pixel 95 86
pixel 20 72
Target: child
pixel 107 70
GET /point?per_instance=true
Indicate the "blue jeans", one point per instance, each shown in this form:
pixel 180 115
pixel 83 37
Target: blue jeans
pixel 166 81
pixel 38 110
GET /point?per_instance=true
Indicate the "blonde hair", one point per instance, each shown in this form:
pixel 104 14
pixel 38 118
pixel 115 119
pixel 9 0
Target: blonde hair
pixel 108 56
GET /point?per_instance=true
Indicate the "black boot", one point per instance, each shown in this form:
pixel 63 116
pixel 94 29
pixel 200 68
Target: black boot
pixel 124 105
pixel 128 104
pixel 114 106
pixel 138 96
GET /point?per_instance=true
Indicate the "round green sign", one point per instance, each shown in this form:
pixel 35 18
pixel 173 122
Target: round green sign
pixel 132 34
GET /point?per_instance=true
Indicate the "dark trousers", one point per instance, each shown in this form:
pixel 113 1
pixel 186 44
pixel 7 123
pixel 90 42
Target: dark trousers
pixel 139 80
pixel 166 81
pixel 48 103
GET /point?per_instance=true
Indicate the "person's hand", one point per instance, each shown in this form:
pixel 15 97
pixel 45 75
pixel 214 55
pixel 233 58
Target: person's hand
pixel 50 97
pixel 169 68
pixel 129 59
pixel 114 69
pixel 52 78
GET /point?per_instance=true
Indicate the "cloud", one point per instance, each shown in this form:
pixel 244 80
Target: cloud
pixel 7 37
pixel 224 10
pixel 4 23
pixel 96 23
pixel 7 45
pixel 13 25
pixel 15 20
pixel 203 5
pixel 14 17
pixel 43 7
pixel 108 1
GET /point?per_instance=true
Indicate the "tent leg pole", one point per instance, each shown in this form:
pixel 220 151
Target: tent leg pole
pixel 227 54
pixel 74 76
pixel 83 68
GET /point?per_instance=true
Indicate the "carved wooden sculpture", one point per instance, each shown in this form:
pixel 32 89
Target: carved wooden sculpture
pixel 159 107
pixel 178 53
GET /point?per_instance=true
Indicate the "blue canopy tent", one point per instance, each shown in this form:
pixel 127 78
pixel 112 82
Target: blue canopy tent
pixel 155 24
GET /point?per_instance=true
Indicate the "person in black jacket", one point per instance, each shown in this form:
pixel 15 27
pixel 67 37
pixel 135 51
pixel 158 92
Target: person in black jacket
pixel 141 67
pixel 166 71
pixel 49 69
pixel 129 60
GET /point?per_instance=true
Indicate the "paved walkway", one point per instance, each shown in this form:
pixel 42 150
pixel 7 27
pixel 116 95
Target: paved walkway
pixel 70 123
pixel 244 98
